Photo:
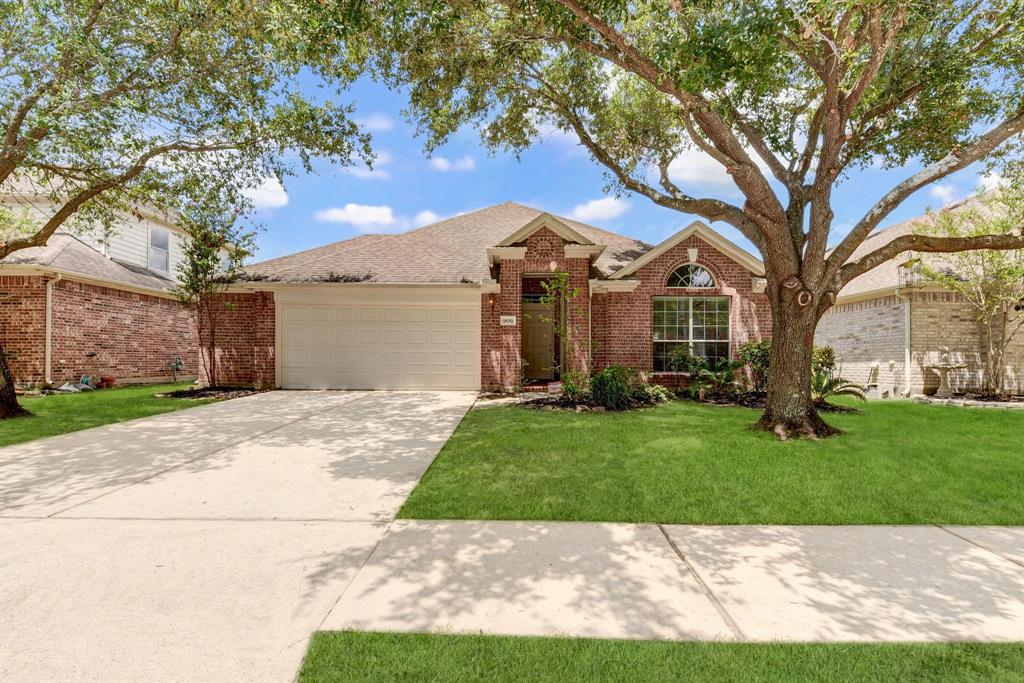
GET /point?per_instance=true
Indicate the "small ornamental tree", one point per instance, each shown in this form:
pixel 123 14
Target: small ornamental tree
pixel 559 297
pixel 214 252
pixel 992 282
pixel 106 105
pixel 786 97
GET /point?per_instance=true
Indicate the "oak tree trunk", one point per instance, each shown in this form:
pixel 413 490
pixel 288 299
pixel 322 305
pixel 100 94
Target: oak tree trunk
pixel 789 409
pixel 9 406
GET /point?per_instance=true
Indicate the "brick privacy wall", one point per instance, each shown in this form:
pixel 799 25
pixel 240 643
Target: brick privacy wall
pixel 103 331
pixel 23 325
pixel 623 330
pixel 864 333
pixel 245 331
pixel 501 347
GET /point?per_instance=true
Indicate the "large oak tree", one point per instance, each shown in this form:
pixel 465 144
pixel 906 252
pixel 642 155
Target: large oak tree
pixel 110 105
pixel 789 96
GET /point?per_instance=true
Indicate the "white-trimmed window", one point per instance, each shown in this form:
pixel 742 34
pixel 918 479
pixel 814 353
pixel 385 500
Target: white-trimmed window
pixel 699 323
pixel 691 276
pixel 159 249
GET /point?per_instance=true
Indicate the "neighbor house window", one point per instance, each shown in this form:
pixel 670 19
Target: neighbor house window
pixel 691 277
pixel 159 249
pixel 700 324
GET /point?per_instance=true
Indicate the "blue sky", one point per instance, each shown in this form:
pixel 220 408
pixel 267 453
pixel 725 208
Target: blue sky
pixel 407 189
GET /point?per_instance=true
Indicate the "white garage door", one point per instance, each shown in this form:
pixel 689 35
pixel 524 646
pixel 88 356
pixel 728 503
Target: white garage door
pixel 386 343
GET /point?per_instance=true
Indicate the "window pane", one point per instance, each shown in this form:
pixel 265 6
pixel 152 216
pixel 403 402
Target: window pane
pixel 690 276
pixel 674 319
pixel 159 238
pixel 158 260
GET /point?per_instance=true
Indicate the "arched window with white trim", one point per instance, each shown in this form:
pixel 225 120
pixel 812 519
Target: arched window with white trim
pixel 691 276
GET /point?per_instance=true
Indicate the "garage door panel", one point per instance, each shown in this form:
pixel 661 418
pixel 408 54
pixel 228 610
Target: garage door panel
pixel 380 347
pixel 296 313
pixel 321 314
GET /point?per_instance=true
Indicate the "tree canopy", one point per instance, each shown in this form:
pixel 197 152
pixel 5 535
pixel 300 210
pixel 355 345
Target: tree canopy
pixel 787 96
pixel 106 105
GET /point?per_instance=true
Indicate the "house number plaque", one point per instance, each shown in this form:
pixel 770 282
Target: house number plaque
pixel 508 321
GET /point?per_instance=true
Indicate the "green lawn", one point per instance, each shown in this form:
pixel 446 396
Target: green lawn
pixel 897 463
pixel 62 413
pixel 350 656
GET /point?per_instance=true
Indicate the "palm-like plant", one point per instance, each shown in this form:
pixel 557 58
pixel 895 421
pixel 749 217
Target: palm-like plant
pixel 826 384
pixel 716 382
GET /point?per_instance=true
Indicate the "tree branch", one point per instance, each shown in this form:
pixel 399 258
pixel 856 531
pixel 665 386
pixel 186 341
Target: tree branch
pixel 927 244
pixel 952 162
pixel 40 237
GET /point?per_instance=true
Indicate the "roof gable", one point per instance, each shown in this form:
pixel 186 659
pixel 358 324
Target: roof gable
pixel 544 220
pixel 703 231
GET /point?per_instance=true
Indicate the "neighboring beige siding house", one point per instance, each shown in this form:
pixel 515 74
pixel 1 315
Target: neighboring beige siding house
pixel 886 327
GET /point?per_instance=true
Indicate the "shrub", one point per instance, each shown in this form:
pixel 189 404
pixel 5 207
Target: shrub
pixel 823 359
pixel 576 385
pixel 618 388
pixel 652 394
pixel 680 360
pixel 755 354
pixel 612 388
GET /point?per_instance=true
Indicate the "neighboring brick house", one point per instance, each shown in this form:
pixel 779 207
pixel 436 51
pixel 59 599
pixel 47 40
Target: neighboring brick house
pixel 887 328
pixel 98 306
pixel 456 305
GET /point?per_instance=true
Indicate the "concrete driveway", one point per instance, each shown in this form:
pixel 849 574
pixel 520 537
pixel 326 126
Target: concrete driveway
pixel 206 544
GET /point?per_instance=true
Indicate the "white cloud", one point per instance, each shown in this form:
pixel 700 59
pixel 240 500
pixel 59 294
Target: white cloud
pixel 363 217
pixel 465 163
pixel 425 217
pixel 694 168
pixel 369 218
pixel 599 209
pixel 944 193
pixel 269 194
pixel 379 170
pixel 990 181
pixel 377 122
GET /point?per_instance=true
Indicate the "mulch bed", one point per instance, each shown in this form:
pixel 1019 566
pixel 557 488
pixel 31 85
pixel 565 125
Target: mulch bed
pixel 989 398
pixel 219 393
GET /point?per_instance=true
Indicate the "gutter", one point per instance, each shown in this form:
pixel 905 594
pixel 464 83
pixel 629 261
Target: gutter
pixel 48 343
pixel 906 339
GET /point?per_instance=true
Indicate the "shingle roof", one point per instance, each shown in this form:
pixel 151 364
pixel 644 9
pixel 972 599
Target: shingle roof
pixel 450 251
pixel 66 254
pixel 887 275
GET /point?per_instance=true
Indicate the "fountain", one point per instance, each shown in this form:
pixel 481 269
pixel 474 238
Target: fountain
pixel 942 369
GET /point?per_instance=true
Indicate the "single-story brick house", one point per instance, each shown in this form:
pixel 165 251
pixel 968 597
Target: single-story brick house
pixel 888 327
pixel 98 305
pixel 454 305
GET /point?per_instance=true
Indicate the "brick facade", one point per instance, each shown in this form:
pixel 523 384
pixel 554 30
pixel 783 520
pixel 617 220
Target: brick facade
pixel 23 326
pixel 623 321
pixel 620 323
pixel 872 332
pixel 98 331
pixel 245 341
pixel 501 346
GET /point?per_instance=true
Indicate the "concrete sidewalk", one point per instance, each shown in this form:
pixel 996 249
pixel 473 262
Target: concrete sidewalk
pixel 802 583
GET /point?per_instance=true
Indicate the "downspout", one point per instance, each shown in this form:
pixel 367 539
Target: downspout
pixel 48 342
pixel 906 340
pixel 590 329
